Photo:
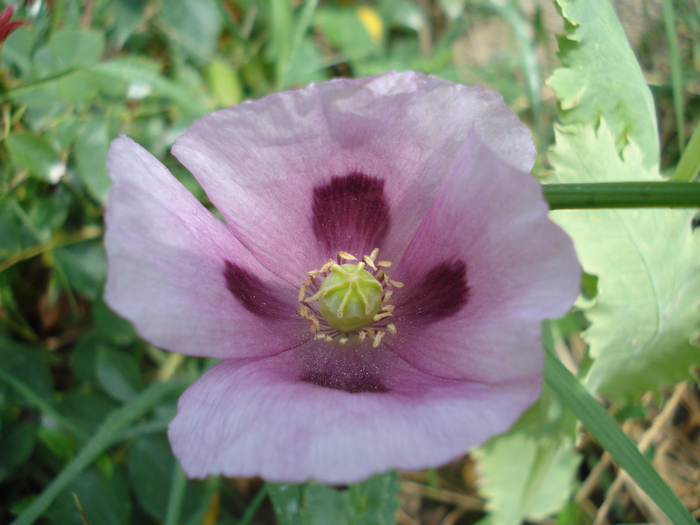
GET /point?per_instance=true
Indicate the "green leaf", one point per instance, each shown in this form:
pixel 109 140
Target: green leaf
pixel 61 444
pixel 224 83
pixel 111 326
pixel 108 433
pixel 528 473
pixel 371 502
pixel 16 445
pixel 77 88
pixel 375 501
pixel 611 437
pixel 151 466
pixel 194 24
pixel 17 49
pixel 118 373
pixel 86 410
pixel 75 49
pixel 601 78
pixel 37 155
pixel 91 157
pixel 138 77
pixel 645 320
pixel 286 500
pixel 104 500
pixel 129 14
pixel 28 365
pixel 345 31
pixel 525 478
pixel 85 266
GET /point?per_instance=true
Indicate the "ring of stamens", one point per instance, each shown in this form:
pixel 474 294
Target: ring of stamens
pixel 311 291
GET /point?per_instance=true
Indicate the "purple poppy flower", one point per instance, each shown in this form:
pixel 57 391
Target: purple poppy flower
pixel 377 290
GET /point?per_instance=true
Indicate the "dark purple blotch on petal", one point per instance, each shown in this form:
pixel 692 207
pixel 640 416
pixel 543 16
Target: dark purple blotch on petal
pixel 354 383
pixel 253 294
pixel 441 293
pixel 350 213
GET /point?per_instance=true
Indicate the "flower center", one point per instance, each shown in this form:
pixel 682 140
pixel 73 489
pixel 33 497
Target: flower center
pixel 345 301
pixel 350 297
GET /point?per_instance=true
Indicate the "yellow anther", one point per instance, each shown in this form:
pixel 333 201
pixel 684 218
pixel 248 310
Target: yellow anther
pixel 379 317
pixel 377 339
pixel 329 264
pixel 316 323
pixel 347 290
pixel 303 311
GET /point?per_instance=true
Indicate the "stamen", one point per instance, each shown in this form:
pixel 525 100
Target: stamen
pixel 379 317
pixel 316 323
pixel 314 297
pixel 329 264
pixel 351 283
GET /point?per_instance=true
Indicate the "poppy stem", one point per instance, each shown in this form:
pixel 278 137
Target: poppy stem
pixel 622 195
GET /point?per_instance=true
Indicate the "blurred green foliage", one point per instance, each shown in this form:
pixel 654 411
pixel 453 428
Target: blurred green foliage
pixel 79 73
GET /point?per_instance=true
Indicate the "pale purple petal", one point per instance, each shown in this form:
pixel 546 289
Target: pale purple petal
pixel 343 165
pixel 257 418
pixel 179 275
pixel 484 269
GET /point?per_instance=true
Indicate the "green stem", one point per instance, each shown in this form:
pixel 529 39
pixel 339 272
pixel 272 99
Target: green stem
pixel 622 195
pixel 178 486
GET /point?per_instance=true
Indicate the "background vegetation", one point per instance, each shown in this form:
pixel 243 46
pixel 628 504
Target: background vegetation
pixel 84 402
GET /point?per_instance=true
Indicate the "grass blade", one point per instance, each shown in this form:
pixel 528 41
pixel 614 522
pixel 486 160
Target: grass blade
pixel 113 427
pixel 676 70
pixel 689 164
pixel 611 437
